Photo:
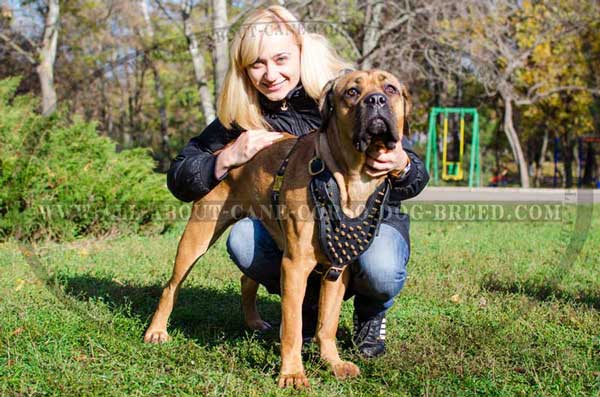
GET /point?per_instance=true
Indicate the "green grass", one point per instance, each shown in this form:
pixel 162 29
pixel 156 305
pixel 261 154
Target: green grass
pixel 489 308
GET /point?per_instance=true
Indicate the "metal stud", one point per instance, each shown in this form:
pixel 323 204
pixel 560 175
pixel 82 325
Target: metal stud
pixel 355 235
pixel 365 223
pixel 346 244
pixel 360 247
pixel 336 238
pixel 343 252
pixel 339 245
pixel 343 225
pixel 349 257
pixel 343 233
pixel 358 227
pixel 354 252
pixel 337 229
pixel 350 229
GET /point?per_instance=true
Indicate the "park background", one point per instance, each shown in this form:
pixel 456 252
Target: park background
pixel 96 97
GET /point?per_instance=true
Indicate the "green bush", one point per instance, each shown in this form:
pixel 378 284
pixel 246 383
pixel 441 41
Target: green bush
pixel 59 179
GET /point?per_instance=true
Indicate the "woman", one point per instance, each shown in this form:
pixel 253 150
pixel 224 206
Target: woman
pixel 276 73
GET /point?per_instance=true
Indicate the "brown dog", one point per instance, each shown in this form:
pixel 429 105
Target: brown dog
pixel 359 109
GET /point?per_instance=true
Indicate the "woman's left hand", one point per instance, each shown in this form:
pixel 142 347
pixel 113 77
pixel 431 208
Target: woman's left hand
pixel 382 160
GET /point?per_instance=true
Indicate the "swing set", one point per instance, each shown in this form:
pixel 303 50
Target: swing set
pixel 453 146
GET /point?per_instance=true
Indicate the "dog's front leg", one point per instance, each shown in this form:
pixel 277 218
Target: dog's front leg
pixel 199 234
pixel 194 242
pixel 330 304
pixel 294 274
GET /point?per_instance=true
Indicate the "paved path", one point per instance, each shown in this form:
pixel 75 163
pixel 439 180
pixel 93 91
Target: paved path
pixel 491 194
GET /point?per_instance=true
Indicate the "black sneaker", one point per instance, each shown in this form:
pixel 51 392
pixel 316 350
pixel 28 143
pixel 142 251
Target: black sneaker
pixel 369 336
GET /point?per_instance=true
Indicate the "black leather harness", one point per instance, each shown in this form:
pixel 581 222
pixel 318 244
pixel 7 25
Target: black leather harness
pixel 343 239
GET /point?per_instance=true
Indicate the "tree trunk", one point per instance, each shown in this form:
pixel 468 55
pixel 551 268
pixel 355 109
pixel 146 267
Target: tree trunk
pixel 45 69
pixel 539 175
pixel 568 158
pixel 221 44
pixel 206 99
pixel 372 23
pixel 164 159
pixel 513 140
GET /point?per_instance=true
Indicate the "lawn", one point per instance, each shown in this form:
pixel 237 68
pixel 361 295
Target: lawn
pixel 494 308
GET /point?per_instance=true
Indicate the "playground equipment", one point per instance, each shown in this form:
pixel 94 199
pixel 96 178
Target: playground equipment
pixel 453 146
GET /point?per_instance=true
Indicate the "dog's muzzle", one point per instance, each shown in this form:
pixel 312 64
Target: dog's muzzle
pixel 376 122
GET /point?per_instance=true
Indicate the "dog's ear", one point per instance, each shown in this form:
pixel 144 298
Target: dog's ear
pixel 407 109
pixel 326 103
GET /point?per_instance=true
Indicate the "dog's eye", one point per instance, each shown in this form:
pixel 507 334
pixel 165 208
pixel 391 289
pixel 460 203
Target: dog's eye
pixel 390 89
pixel 352 92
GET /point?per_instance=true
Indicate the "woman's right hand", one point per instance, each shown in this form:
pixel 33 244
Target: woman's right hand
pixel 243 149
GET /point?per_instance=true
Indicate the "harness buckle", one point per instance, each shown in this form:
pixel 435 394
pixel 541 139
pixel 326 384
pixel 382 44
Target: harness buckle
pixel 333 273
pixel 315 166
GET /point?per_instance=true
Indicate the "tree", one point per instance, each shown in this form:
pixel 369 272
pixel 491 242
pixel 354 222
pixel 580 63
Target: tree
pixel 496 41
pixel 42 55
pixel 206 98
pixel 158 86
pixel 220 43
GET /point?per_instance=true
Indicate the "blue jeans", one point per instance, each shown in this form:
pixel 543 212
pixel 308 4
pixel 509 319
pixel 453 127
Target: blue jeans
pixel 377 276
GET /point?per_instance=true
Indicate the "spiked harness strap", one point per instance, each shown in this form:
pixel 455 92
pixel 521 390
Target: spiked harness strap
pixel 343 239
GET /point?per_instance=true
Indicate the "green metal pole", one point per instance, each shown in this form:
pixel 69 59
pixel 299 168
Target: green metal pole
pixel 474 150
pixel 431 152
pixel 478 167
pixel 435 150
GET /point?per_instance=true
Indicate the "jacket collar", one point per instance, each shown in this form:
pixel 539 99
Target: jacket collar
pixel 297 98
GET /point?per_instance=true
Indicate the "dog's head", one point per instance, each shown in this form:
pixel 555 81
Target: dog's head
pixel 371 107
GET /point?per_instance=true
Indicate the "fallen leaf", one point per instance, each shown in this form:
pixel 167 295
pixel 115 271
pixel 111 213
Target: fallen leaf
pixel 456 298
pixel 18 331
pixel 482 302
pixel 20 284
pixel 119 282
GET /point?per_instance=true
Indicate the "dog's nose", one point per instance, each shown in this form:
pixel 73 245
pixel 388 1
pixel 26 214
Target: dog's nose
pixel 376 100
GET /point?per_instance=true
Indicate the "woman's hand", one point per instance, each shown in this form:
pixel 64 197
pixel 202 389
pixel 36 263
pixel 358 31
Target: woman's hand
pixel 380 160
pixel 243 149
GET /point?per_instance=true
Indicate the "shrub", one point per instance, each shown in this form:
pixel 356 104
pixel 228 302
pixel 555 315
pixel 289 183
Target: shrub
pixel 60 179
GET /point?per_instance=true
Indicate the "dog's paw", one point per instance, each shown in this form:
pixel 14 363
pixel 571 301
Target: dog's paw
pixel 259 325
pixel 297 381
pixel 156 336
pixel 345 370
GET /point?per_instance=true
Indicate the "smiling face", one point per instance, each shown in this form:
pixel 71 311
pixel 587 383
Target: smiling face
pixel 276 71
pixel 370 108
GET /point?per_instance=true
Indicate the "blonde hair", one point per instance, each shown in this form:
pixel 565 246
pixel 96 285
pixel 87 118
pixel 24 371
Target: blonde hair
pixel 238 101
